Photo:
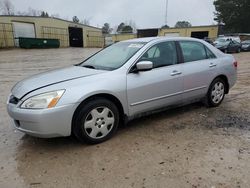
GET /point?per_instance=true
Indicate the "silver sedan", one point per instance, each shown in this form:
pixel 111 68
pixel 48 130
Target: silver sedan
pixel 119 83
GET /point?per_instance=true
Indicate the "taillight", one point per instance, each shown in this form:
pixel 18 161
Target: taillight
pixel 235 64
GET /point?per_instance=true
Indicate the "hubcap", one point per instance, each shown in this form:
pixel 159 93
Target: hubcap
pixel 218 92
pixel 99 122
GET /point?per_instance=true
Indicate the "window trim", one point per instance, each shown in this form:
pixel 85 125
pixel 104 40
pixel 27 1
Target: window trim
pixel 178 56
pixel 204 46
pixel 208 50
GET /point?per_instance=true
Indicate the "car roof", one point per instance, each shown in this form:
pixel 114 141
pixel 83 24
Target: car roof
pixel 149 39
pixel 146 39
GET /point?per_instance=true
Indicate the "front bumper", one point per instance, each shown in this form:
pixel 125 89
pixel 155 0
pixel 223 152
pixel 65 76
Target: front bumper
pixel 245 49
pixel 45 123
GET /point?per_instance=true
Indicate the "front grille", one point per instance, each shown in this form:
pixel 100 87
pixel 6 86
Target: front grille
pixel 13 100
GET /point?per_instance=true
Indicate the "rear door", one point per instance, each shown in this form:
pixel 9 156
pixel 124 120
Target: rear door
pixel 159 87
pixel 199 69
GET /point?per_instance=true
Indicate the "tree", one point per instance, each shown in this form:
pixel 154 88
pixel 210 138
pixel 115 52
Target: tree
pixel 75 19
pixel 127 29
pixel 165 27
pixel 7 7
pixel 133 25
pixel 33 12
pixel 183 24
pixel 44 14
pixel 106 29
pixel 85 21
pixel 124 28
pixel 234 14
pixel 120 27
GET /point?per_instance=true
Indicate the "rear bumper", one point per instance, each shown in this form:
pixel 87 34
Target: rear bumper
pixel 46 123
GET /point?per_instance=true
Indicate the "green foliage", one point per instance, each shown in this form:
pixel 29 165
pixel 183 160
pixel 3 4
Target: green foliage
pixel 123 28
pixel 127 29
pixel 106 29
pixel 120 27
pixel 75 19
pixel 165 27
pixel 44 14
pixel 183 24
pixel 235 14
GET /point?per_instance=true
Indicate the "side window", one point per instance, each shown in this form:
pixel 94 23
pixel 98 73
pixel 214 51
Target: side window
pixel 162 54
pixel 210 54
pixel 193 51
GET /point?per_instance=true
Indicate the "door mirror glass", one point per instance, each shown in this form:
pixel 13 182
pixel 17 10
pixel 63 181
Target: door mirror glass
pixel 144 66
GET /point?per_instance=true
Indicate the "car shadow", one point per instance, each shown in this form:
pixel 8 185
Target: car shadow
pixel 138 123
pixel 164 115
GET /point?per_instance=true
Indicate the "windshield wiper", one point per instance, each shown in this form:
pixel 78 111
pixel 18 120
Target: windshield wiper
pixel 89 66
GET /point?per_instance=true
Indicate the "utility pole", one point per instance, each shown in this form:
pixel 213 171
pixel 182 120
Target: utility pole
pixel 166 16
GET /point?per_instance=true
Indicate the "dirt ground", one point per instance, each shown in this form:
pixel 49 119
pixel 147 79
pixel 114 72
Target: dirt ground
pixel 192 146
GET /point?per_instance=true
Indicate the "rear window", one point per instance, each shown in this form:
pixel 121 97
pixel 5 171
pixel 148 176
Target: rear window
pixel 195 51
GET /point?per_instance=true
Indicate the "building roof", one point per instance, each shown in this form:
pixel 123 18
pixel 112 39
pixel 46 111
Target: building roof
pixel 202 26
pixel 54 18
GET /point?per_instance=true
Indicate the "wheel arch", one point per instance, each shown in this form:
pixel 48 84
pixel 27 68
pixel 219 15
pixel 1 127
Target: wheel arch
pixel 110 97
pixel 225 79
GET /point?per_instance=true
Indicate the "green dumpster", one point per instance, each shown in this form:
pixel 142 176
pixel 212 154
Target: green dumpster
pixel 38 43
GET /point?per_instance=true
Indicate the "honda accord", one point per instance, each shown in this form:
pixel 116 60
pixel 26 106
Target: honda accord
pixel 121 82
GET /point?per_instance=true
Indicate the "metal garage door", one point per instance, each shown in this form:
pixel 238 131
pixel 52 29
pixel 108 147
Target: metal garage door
pixel 23 30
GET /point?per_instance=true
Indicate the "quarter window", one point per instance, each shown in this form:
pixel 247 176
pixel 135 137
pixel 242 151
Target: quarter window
pixel 193 51
pixel 162 54
pixel 210 54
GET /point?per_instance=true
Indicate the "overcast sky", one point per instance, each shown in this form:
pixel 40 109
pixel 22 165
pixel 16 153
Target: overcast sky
pixel 145 13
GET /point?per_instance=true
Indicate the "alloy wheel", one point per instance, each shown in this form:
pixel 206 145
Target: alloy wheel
pixel 218 92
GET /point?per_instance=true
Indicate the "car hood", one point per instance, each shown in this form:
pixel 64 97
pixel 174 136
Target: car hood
pixel 50 78
pixel 221 45
pixel 245 44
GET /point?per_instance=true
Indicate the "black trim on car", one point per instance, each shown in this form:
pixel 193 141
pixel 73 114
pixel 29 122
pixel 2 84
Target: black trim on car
pixel 179 53
pixel 179 57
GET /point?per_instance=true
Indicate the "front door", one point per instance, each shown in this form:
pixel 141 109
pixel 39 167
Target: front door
pixel 159 87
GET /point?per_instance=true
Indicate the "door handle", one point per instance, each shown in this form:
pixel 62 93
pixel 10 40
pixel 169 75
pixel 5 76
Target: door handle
pixel 175 73
pixel 212 65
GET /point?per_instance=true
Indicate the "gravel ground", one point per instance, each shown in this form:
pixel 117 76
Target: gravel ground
pixel 192 146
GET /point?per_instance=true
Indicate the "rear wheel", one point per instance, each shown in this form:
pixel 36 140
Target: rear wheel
pixel 96 121
pixel 216 93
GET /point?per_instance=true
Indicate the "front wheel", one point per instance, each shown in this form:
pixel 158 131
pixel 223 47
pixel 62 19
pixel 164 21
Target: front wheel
pixel 216 93
pixel 96 121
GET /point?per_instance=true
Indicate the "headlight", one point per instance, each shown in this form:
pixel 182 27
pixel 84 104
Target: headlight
pixel 43 101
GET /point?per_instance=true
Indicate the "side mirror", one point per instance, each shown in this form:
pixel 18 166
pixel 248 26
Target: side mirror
pixel 144 66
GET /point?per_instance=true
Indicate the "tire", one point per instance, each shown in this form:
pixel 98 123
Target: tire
pixel 95 121
pixel 216 93
pixel 238 50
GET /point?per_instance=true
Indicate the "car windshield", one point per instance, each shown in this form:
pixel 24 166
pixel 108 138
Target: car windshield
pixel 246 42
pixel 114 56
pixel 223 41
